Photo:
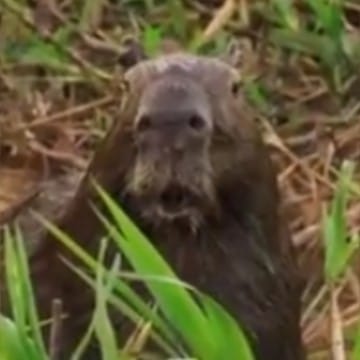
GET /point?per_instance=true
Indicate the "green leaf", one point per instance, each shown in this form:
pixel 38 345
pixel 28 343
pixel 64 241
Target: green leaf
pixel 233 342
pixel 338 249
pixel 103 327
pixel 21 296
pixel 128 296
pixel 20 291
pixel 308 43
pixel 12 344
pixel 39 52
pixel 175 301
pixel 15 282
pixel 286 14
pixel 329 15
pixel 151 40
pixel 208 319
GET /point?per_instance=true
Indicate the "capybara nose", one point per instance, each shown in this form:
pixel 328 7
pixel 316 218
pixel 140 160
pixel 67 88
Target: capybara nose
pixel 174 113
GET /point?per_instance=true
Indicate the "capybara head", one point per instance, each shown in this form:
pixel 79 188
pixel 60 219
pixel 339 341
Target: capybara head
pixel 191 129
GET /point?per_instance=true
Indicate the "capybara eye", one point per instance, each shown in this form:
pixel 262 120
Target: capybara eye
pixel 144 123
pixel 235 87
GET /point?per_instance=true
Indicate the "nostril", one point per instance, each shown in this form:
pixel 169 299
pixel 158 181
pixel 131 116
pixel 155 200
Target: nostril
pixel 196 122
pixel 144 123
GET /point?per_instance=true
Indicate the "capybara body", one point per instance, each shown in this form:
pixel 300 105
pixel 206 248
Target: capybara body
pixel 186 161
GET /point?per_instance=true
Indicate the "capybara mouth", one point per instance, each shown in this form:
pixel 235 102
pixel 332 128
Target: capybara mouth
pixel 175 199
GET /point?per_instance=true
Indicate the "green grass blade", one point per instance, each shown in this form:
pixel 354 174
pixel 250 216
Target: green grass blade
pixel 234 344
pixel 337 248
pixel 12 344
pixel 103 327
pixel 138 306
pixel 126 310
pixel 32 310
pixel 14 282
pixel 329 16
pixel 20 290
pixel 176 302
pixel 286 14
pixel 151 40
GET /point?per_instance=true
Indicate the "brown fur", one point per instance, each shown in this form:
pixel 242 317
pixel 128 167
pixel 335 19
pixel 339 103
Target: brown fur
pixel 231 242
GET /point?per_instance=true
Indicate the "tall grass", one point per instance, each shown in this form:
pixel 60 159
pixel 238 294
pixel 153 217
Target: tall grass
pixel 174 309
pixel 204 328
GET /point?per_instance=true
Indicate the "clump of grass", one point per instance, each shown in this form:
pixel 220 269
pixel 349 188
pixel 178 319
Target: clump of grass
pixel 21 337
pixel 175 311
pixel 321 34
pixel 340 246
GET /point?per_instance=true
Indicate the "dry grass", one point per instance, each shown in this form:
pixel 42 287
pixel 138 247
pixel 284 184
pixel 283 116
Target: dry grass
pixel 52 118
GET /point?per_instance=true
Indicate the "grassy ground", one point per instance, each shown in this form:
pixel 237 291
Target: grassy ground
pixel 300 63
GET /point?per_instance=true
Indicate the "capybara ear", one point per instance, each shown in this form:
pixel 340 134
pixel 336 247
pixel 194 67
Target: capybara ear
pixel 133 53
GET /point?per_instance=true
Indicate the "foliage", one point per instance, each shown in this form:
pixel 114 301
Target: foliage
pixel 177 311
pixel 339 246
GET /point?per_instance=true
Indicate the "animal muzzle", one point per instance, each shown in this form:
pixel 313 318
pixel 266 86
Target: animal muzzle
pixel 171 188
